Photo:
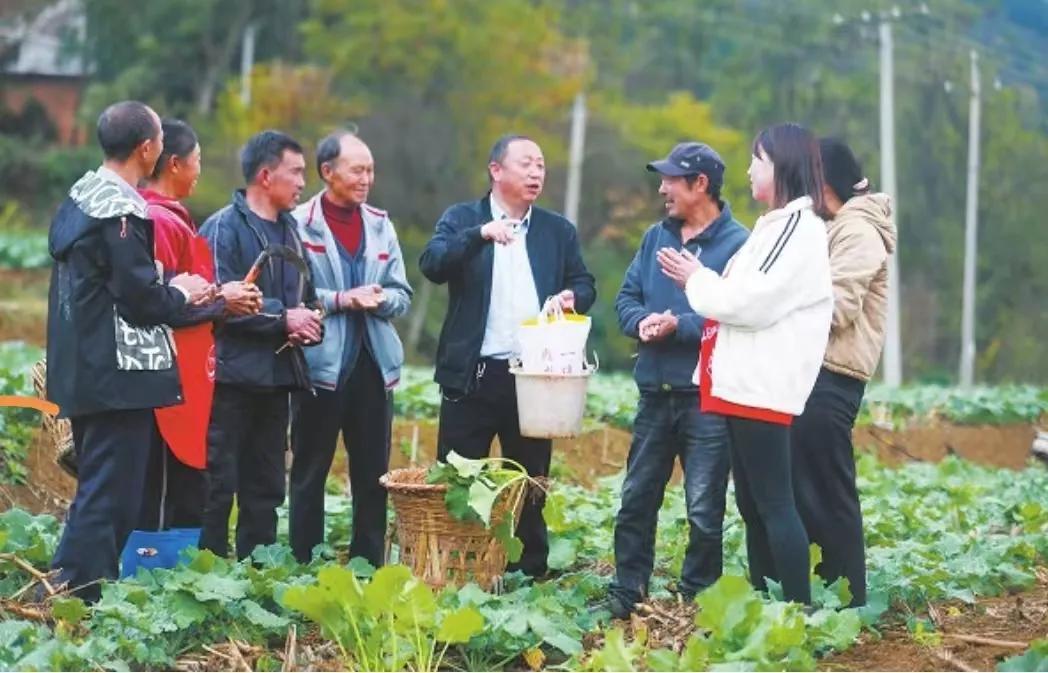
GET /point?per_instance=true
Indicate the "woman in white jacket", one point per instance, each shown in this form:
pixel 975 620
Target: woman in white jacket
pixel 767 323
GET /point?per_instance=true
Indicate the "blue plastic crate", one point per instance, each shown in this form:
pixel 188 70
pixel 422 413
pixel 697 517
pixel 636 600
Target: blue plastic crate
pixel 151 549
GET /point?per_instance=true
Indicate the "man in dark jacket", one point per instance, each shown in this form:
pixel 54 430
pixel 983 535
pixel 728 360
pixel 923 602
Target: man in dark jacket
pixel 110 360
pixel 255 373
pixel 669 425
pixel 501 257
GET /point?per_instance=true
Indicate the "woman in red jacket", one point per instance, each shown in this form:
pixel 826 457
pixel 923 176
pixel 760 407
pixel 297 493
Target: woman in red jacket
pixel 174 489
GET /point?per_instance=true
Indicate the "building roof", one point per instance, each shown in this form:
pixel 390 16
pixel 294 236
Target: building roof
pixel 44 44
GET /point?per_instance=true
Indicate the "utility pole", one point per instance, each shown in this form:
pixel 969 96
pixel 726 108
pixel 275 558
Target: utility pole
pixel 247 60
pixel 971 223
pixel 576 152
pixel 892 349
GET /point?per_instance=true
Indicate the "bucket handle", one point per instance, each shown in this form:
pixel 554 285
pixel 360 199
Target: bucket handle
pixel 517 365
pixel 552 311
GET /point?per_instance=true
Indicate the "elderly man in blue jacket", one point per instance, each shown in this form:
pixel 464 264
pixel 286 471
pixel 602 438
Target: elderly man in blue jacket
pixel 669 425
pixel 358 270
pixel 501 256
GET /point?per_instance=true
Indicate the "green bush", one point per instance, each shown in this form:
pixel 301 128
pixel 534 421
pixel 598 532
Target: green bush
pixel 38 175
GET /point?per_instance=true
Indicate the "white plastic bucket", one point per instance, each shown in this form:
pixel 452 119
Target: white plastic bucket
pixel 554 342
pixel 551 405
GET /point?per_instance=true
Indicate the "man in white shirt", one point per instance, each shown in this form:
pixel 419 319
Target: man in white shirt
pixel 501 256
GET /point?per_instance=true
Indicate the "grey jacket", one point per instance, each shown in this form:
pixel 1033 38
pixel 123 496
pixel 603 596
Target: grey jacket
pixel 383 265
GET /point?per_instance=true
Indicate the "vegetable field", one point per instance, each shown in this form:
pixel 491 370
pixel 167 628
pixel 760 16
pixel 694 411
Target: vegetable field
pixel 941 539
pixel 947 532
pixel 22 249
pixel 613 397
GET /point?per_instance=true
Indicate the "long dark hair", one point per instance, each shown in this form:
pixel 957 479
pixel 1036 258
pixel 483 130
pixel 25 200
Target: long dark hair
pixel 179 141
pixel 794 151
pixel 841 171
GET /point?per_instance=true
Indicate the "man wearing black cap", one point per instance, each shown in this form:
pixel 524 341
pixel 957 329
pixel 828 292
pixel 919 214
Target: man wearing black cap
pixel 668 424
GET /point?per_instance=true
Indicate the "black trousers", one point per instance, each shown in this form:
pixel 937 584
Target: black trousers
pixel 112 450
pixel 469 423
pixel 174 492
pixel 246 441
pixel 776 543
pixel 824 479
pixel 362 409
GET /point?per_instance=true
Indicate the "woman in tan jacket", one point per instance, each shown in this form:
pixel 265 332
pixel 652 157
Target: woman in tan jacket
pixel 861 236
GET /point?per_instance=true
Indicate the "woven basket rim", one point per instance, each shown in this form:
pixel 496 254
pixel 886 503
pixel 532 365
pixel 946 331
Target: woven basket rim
pixel 390 481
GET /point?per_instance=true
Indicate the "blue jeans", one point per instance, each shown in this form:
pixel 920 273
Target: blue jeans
pixel 670 426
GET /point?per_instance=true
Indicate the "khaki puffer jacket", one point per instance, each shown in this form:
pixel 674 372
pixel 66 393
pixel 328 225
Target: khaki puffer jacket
pixel 861 237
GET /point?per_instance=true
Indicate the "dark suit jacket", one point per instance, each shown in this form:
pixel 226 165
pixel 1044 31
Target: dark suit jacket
pixel 459 256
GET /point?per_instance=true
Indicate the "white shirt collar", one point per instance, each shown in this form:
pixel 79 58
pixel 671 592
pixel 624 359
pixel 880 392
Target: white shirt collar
pixel 499 213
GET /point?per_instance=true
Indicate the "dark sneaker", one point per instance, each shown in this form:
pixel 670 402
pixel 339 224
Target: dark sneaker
pixel 682 594
pixel 535 572
pixel 617 606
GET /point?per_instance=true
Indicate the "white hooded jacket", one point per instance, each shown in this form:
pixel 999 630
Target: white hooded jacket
pixel 774 304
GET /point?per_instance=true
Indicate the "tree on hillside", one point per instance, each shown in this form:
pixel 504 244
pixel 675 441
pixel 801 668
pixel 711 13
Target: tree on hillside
pixel 179 54
pixel 442 80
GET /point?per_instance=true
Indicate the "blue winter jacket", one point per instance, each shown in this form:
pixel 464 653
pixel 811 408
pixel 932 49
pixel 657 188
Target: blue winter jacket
pixel 669 364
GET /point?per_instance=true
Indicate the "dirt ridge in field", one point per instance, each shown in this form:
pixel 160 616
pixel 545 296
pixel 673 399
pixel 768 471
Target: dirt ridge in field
pixel 602 451
pixel 966 637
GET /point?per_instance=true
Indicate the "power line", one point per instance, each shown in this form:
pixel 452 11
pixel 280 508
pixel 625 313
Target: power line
pixel 961 44
pixel 765 37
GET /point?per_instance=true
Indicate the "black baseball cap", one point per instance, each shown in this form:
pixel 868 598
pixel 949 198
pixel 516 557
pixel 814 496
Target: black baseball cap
pixel 691 158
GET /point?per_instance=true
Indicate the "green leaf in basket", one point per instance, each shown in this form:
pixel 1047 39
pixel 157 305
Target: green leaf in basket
pixel 440 473
pixel 466 467
pixel 482 499
pixel 503 532
pixel 514 549
pixel 553 512
pixel 457 501
pixel 562 553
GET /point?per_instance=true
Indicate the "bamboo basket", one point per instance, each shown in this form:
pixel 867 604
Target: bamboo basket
pixel 439 549
pixel 59 430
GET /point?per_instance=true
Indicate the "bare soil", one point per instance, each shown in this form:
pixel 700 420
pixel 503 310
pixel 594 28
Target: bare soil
pixel 48 488
pixel 23 305
pixel 971 637
pixel 596 453
pixel 602 451
pixel 997 445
